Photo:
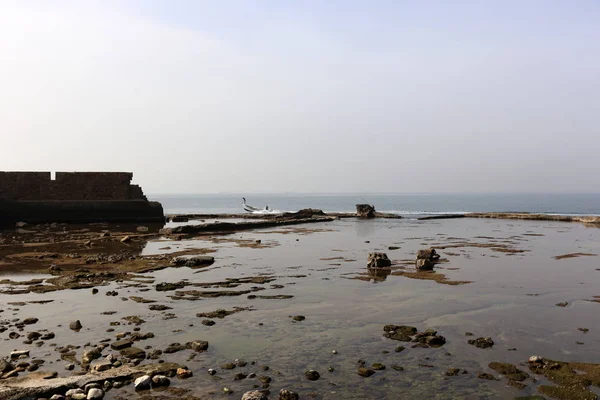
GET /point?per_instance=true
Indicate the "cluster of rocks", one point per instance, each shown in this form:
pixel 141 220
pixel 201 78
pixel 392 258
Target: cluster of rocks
pixel 147 382
pixel 9 370
pixel 426 259
pixel 191 262
pixel 102 258
pixel 405 333
pixel 91 391
pixel 284 394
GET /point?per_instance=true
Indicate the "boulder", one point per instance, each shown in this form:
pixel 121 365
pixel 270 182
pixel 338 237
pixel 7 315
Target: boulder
pixel 426 259
pixel 75 326
pixel 133 353
pixel 160 381
pixel 90 355
pixel 19 354
pixel 254 395
pixel 5 366
pixel 285 394
pixel 72 392
pixel 197 345
pixel 179 218
pixel 424 264
pixel 378 260
pixel 365 211
pixel 95 394
pixel 312 375
pixel 121 344
pixel 143 383
pixel 101 365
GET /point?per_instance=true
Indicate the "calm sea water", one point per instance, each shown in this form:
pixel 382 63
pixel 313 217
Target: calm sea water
pixel 403 204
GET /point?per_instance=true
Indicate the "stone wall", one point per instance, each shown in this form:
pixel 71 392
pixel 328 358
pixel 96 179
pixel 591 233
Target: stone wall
pixel 96 186
pixel 74 197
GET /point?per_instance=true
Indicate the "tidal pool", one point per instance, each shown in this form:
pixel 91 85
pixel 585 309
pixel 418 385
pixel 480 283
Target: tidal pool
pixel 515 284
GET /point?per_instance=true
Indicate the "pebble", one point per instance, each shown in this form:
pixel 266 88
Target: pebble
pixel 211 371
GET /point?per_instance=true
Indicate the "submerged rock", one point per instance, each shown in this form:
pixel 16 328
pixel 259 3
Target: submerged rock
pixel 482 343
pixel 196 261
pixel 378 260
pixel 365 372
pixel 509 370
pixel 399 332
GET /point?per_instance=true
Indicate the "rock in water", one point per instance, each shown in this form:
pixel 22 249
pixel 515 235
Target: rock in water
pixel 365 372
pixel 378 260
pixel 312 375
pixel 365 211
pixel 285 394
pixel 94 394
pixel 482 343
pixel 90 355
pixel 426 259
pixel 424 265
pixel 5 366
pixel 428 254
pixel 75 326
pixel 160 381
pixel 197 345
pixel 254 395
pixel 19 353
pixel 143 383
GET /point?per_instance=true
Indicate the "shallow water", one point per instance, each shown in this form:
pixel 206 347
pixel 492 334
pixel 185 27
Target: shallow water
pixel 511 299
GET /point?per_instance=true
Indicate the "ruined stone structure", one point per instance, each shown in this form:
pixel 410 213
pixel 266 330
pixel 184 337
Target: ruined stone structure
pixel 74 197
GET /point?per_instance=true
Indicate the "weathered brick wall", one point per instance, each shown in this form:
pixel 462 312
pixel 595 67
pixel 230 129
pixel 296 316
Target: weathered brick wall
pixel 69 186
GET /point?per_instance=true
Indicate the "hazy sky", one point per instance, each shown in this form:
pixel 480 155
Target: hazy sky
pixel 305 96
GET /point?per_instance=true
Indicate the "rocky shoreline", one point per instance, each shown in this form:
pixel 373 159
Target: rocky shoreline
pixel 239 284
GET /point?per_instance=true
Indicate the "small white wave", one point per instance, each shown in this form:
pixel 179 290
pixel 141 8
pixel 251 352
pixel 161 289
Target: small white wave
pixel 402 212
pixel 264 212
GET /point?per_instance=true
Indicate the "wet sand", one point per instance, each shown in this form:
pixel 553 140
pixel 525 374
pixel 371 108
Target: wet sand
pixel 500 279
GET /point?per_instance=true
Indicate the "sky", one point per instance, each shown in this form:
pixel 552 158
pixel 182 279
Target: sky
pixel 300 96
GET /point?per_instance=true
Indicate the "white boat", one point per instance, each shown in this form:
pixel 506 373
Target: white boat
pixel 256 210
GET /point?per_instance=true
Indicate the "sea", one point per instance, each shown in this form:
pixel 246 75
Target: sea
pixel 407 205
